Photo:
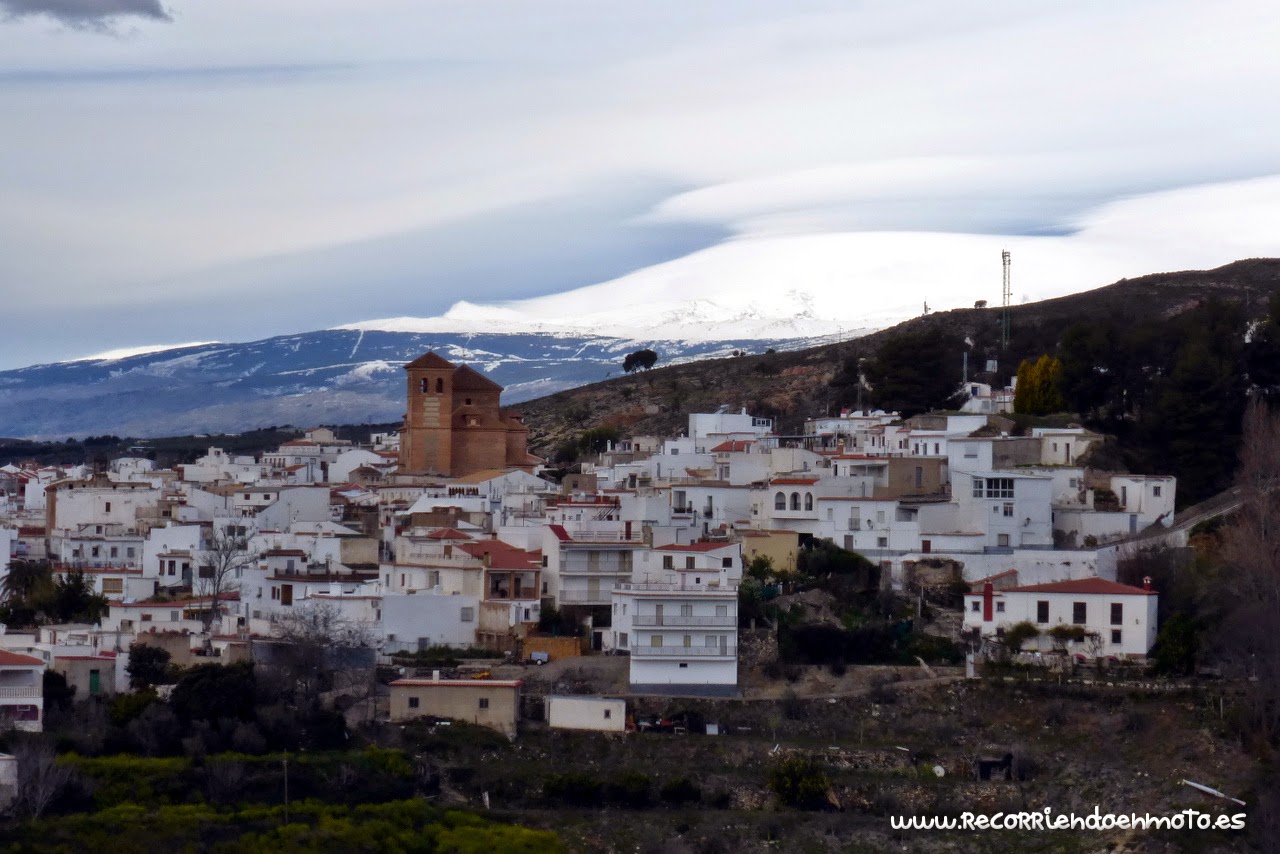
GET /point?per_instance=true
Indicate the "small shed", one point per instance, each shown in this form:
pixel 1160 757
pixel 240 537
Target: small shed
pixel 600 714
pixel 487 702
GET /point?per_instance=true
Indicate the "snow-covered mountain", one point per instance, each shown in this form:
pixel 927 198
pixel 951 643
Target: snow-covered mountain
pixel 335 376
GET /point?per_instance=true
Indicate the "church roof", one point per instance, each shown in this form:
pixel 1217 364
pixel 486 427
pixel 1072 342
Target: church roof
pixel 469 379
pixel 429 360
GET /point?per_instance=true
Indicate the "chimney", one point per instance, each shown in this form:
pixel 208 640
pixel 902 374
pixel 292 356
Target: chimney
pixel 988 597
pixel 1146 583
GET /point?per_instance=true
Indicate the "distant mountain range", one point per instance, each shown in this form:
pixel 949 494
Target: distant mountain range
pixel 335 376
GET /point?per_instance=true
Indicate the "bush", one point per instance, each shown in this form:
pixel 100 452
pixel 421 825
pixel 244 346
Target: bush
pixel 800 782
pixel 573 788
pixel 1018 634
pixel 680 791
pixel 629 790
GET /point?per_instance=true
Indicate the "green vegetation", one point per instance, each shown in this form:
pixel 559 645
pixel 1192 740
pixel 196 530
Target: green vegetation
pixel 1039 390
pixel 640 360
pixel 34 595
pixel 912 371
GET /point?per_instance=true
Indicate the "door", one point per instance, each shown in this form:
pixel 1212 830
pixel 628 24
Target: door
pixel 593 589
pixel 286 594
pixel 657 614
pixel 95 683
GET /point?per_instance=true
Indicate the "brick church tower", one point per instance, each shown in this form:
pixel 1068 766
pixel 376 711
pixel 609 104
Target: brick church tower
pixel 454 426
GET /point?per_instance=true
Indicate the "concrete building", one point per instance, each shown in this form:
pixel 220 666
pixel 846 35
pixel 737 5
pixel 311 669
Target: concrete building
pixel 598 714
pixel 21 691
pixel 491 703
pixel 1113 619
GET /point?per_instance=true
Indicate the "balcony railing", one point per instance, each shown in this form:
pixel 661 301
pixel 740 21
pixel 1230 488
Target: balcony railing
pixel 583 597
pixel 648 620
pixel 683 651
pixel 8 692
pixel 664 587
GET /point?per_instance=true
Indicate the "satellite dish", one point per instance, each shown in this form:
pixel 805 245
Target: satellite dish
pixel 939 771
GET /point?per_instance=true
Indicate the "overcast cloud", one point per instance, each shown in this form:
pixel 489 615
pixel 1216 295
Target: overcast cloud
pixel 78 13
pixel 247 168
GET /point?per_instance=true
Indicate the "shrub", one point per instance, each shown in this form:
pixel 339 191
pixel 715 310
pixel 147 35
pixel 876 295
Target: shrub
pixel 800 782
pixel 629 790
pixel 681 790
pixel 1018 634
pixel 573 788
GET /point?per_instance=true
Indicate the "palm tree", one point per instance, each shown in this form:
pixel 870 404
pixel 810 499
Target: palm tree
pixel 23 578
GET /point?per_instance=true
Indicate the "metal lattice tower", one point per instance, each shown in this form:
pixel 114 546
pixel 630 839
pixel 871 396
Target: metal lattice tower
pixel 1008 295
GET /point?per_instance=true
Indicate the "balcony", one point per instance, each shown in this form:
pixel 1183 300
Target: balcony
pixel 683 651
pixel 668 587
pixel 654 620
pixel 583 597
pixel 15 692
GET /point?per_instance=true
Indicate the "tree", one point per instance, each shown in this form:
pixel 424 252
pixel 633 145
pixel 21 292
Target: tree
pixel 74 601
pixel 24 579
pixel 211 692
pixel 320 651
pixel 147 666
pixel 40 778
pixel 1248 642
pixel 799 781
pixel 222 561
pixel 916 372
pixel 639 360
pixel 1039 390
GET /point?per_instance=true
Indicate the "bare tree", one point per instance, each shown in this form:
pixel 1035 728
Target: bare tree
pixel 40 778
pixel 322 651
pixel 222 561
pixel 1248 640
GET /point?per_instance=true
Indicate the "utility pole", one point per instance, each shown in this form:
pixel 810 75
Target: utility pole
pixel 1008 295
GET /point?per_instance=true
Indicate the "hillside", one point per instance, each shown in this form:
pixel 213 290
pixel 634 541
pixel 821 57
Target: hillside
pixel 795 385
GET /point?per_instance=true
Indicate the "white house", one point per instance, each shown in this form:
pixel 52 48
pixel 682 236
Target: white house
pixel 599 714
pixel 1115 619
pixel 21 691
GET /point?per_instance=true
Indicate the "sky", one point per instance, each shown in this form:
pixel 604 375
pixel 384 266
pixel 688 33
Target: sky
pixel 176 171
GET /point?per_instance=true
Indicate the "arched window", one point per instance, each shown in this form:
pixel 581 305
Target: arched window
pixel 808 501
pixel 795 501
pixel 780 501
pixel 422 385
pixel 439 385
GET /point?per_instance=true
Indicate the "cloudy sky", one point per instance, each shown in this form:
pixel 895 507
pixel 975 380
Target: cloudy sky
pixel 173 170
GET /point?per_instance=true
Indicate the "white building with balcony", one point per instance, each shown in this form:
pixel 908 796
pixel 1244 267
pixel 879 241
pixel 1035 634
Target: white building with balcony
pixel 679 620
pixel 21 691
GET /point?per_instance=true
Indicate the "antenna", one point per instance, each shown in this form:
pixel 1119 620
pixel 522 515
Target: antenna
pixel 1008 294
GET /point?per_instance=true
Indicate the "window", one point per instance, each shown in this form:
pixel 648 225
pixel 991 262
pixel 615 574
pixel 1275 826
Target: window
pixel 1117 614
pixel 655 641
pixel 108 507
pixel 1002 540
pixel 115 551
pixel 668 562
pixel 726 562
pixel 422 386
pixel 1155 491
pixel 413 701
pixel 688 562
pixel 1008 511
pixel 1079 612
pixel 130 552
pixel 795 501
pixel 112 585
pixel 999 487
pixel 1042 611
pixel 484 702
pixel 174 616
pixel 1115 636
pixel 722 610
pixel 808 501
pixel 688 641
pixel 975 606
pixel 439 385
pixel 468 615
pixel 919 476
pixel 622 639
pixel 1000 607
pixel 882 542
pixel 544 561
pixel 467 402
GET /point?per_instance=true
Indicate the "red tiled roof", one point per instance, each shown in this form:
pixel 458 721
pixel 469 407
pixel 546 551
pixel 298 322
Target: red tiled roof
pixel 13 659
pixel 732 446
pixel 994 578
pixel 1084 586
pixel 794 481
pixel 429 360
pixel 459 683
pixel 449 534
pixel 561 534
